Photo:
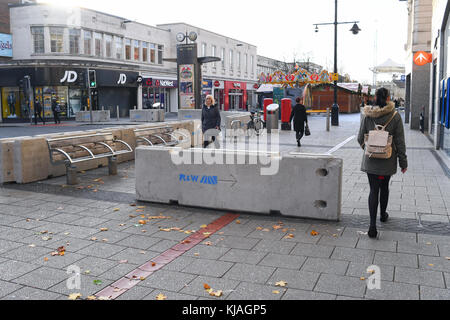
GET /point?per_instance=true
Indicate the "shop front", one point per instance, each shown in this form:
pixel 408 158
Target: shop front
pixel 162 91
pixel 235 96
pixel 65 86
pixel 218 93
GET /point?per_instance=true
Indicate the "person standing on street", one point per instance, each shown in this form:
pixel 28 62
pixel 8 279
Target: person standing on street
pixel 300 117
pixel 56 110
pixel 210 119
pixel 37 112
pixel 379 171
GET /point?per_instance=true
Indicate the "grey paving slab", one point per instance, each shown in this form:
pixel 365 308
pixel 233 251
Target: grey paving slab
pixel 6 219
pixel 433 239
pixel 42 278
pixel 295 279
pixel 233 242
pixel 119 271
pixel 312 250
pixel 75 244
pixel 325 266
pixel 208 267
pixel 196 287
pixel 434 263
pixel 341 285
pixel 163 245
pixel 135 256
pixel 60 262
pixel 6 246
pixel 139 242
pixel 168 280
pixel 87 286
pixel 78 232
pixel 12 234
pixel 271 234
pixel 394 291
pixel 243 256
pixel 137 293
pixel 348 242
pixel 101 250
pixel 254 291
pixel 95 266
pixel 170 295
pixel 433 294
pixel 396 259
pixel 250 273
pixel 353 255
pixel 294 294
pixel 376 244
pixel 11 269
pixel 7 288
pixel 179 264
pixel 281 247
pixel 359 270
pixel 207 252
pixel 112 236
pixel 90 222
pixel 26 253
pixel 283 261
pixel 32 294
pixel 387 235
pixel 418 248
pixel 420 277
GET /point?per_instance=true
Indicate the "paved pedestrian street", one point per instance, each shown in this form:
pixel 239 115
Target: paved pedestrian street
pixel 94 241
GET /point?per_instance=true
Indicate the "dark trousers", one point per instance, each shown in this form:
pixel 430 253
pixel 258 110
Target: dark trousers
pixel 299 134
pixel 56 116
pixel 379 193
pixel 207 143
pixel 36 115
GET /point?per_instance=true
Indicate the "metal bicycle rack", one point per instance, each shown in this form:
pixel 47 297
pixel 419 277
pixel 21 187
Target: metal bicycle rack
pixel 69 162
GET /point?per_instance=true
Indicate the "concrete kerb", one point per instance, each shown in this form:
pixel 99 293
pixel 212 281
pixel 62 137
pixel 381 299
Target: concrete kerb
pixel 307 186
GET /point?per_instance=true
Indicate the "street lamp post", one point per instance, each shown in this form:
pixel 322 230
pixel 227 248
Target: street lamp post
pixel 355 30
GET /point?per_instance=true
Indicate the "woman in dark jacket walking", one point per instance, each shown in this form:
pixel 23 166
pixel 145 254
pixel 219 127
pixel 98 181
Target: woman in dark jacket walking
pixel 210 118
pixel 300 117
pixel 380 171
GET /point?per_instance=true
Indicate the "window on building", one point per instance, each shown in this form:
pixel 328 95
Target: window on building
pixel 98 44
pixel 145 51
pixel 213 53
pixel 245 63
pixel 38 39
pixel 57 39
pixel 239 61
pixel 152 53
pixel 137 46
pixel 74 41
pixel 222 57
pixel 160 54
pixel 88 42
pixel 231 59
pixel 119 48
pixel 108 46
pixel 252 65
pixel 203 49
pixel 127 49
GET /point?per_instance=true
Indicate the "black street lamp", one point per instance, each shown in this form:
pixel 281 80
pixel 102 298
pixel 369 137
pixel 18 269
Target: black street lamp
pixel 355 30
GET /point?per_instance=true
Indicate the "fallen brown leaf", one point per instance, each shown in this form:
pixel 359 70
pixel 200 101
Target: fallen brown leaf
pixel 161 297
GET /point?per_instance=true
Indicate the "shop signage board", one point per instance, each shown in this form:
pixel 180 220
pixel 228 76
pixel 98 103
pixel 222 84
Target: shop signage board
pixel 187 86
pixel 6 45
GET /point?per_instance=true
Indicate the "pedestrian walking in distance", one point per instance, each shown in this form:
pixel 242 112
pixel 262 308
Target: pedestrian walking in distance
pixel 300 117
pixel 56 110
pixel 210 119
pixel 380 170
pixel 37 112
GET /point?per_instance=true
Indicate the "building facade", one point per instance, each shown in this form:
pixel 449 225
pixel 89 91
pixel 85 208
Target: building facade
pixel 440 77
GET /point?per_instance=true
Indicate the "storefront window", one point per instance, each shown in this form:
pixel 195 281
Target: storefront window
pixel 77 101
pixel 108 46
pixel 160 54
pixel 145 51
pixel 13 102
pixel 98 44
pixel 74 40
pixel 38 39
pixel 152 53
pixel 88 42
pixel 56 39
pixel 119 48
pixel 49 93
pixel 127 49
pixel 136 50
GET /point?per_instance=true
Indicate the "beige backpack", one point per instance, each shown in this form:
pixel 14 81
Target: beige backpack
pixel 379 142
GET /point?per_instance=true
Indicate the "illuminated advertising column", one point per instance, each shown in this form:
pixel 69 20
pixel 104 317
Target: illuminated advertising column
pixel 189 78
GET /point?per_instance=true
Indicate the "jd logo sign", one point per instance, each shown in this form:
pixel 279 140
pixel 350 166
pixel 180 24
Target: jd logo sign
pixel 122 79
pixel 70 77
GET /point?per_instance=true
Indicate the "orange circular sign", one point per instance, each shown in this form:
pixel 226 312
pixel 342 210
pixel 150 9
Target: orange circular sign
pixel 422 58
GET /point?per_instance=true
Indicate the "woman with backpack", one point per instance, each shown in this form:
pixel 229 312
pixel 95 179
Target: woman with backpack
pixel 382 136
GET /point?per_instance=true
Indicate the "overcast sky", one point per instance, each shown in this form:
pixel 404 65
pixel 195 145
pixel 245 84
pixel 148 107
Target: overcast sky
pixel 283 29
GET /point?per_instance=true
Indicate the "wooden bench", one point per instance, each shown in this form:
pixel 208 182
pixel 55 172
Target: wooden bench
pixel 82 148
pixel 158 136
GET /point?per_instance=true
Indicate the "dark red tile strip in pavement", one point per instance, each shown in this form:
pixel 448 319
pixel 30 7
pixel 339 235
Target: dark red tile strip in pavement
pixel 133 278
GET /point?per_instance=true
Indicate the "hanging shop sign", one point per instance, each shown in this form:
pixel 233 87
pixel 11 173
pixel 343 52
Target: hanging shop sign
pixel 422 58
pixel 6 45
pixel 160 83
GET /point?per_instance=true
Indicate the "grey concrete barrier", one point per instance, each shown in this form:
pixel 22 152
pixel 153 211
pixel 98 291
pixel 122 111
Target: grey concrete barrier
pixel 97 116
pixel 307 186
pixel 147 115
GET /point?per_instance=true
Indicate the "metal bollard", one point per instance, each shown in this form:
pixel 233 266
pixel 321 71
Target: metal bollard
pixel 118 115
pixel 328 119
pixel 112 165
pixel 71 175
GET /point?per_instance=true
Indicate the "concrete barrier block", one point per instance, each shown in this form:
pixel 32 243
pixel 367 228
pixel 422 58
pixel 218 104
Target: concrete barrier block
pixel 97 116
pixel 292 185
pixel 31 160
pixel 147 115
pixel 7 160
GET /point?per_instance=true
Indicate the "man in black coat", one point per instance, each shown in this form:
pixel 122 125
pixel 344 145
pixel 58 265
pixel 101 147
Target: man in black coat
pixel 210 119
pixel 56 110
pixel 300 117
pixel 37 112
